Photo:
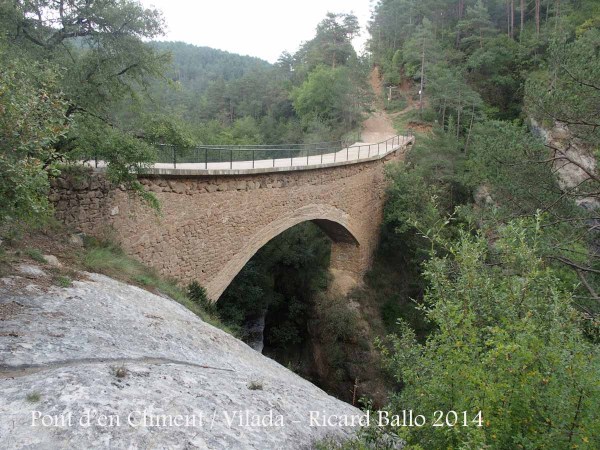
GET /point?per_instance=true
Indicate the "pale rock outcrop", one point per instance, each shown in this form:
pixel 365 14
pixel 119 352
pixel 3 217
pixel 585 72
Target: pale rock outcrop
pixel 576 159
pixel 117 350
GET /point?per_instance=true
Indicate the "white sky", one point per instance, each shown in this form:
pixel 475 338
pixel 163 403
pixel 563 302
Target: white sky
pixel 262 28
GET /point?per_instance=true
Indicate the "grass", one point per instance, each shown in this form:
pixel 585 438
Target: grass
pixel 63 281
pixel 5 262
pixel 396 104
pixel 36 255
pixel 33 397
pixel 109 259
pixel 402 122
pixel 119 372
pixel 255 386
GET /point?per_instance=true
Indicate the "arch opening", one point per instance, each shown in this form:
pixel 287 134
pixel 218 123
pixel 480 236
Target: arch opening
pixel 280 303
pixel 335 223
pixel 267 303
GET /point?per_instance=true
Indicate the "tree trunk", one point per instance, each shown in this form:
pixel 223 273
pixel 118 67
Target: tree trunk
pixel 422 79
pixel 459 109
pixel 508 18
pixel 444 115
pixel 537 17
pixel 512 19
pixel 522 19
pixel 470 128
pixel 459 14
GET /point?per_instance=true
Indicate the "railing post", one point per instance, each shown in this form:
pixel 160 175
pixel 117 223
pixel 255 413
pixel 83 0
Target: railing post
pixel 307 156
pixel 96 160
pixel 206 158
pixel 358 152
pixel 347 152
pixel 291 159
pixel 321 155
pixel 231 159
pixel 369 152
pixel 253 158
pixel 174 158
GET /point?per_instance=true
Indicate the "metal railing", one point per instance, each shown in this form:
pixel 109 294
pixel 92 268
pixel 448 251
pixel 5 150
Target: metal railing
pixel 265 156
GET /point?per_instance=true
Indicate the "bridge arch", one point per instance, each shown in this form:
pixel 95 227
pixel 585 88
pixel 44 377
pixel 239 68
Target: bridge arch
pixel 214 220
pixel 345 250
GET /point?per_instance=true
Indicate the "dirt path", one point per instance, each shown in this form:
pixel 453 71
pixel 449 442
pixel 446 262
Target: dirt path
pixel 378 126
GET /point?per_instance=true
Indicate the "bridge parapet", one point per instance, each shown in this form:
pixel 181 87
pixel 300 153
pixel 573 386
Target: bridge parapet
pixel 236 160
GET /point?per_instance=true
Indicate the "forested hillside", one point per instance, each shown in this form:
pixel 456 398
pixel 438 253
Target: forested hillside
pixel 315 95
pixel 494 215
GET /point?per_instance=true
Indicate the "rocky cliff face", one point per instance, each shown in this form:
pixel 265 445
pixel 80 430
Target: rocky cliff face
pixel 575 159
pixel 106 365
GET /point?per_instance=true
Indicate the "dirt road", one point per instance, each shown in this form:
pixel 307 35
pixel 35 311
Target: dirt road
pixel 378 126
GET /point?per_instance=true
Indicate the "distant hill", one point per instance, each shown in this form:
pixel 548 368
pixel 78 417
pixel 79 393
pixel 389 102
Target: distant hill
pixel 200 65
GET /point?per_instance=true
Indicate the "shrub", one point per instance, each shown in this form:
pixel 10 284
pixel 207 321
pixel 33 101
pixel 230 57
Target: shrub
pixel 197 294
pixel 507 343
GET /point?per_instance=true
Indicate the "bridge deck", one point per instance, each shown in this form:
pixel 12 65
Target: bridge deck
pixel 360 151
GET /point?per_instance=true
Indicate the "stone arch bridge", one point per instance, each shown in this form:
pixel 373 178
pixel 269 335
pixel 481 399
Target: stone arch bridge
pixel 216 216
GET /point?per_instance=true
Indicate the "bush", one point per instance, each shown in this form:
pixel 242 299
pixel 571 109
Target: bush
pixel 507 343
pixel 197 294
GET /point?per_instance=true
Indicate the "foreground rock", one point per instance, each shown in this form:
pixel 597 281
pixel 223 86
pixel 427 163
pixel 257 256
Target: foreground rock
pixel 101 357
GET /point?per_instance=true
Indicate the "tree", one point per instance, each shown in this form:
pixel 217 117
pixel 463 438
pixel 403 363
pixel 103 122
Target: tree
pixel 327 95
pixel 31 121
pixel 569 92
pixel 391 24
pixel 495 71
pixel 419 52
pixel 99 46
pixel 507 350
pixel 522 9
pixel 475 28
pixel 332 44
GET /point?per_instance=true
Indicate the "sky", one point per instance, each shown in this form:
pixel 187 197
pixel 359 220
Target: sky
pixel 262 28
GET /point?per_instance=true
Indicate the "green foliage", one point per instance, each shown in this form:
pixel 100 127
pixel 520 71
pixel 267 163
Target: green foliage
pixel 63 281
pixel 496 73
pixel 429 182
pixel 125 154
pixel 327 95
pixel 336 321
pixel 568 92
pixel 102 58
pixel 197 294
pixel 508 343
pixel 475 28
pixel 514 164
pixel 332 44
pixel 36 255
pixel 23 191
pixel 33 397
pixel 31 121
pixel 421 46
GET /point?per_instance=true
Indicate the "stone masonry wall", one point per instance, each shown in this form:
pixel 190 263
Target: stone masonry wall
pixel 210 226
